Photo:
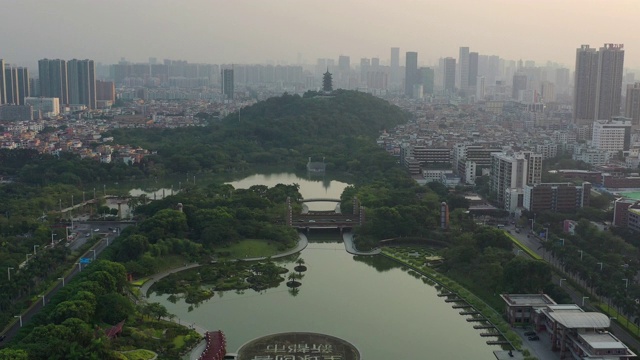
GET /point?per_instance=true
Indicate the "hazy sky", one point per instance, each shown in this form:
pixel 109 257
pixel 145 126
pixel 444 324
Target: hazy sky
pixel 257 31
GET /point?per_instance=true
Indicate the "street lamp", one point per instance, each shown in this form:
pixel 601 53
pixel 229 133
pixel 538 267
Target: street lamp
pixel 561 280
pixel 531 221
pixel 626 283
pixel 52 235
pixel 34 248
pixel 19 317
pixel 62 281
pixel 9 272
pixel 79 266
pixel 600 266
pixel 583 299
pixel 546 234
pixel 43 300
pixel 581 253
pixel 94 253
pixel 28 256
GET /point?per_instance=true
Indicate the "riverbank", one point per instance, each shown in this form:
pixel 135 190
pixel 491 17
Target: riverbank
pixel 449 286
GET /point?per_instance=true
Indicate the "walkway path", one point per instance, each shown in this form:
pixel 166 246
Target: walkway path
pixel 144 289
pixel 347 238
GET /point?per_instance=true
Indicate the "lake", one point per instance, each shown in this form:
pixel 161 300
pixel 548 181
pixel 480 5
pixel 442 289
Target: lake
pixel 368 301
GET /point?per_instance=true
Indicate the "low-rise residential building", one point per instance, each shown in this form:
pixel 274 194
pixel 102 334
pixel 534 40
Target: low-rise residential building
pixel 591 155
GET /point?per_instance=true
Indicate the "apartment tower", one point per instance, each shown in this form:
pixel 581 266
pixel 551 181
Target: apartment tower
pixel 411 73
pixel 53 79
pixel 597 83
pixel 3 89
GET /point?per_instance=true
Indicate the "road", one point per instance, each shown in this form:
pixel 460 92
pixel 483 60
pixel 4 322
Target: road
pixel 534 243
pixel 13 328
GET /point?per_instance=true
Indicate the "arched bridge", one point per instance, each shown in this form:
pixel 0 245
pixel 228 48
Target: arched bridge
pixel 320 199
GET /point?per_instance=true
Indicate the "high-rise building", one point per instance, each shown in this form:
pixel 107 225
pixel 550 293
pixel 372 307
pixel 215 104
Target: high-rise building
pixel 227 83
pixel 411 73
pixel 480 88
pixel 3 88
pixel 462 80
pixel 632 105
pixel 609 85
pixel 598 83
pixel 105 91
pixel 519 84
pixel 365 66
pixel 511 173
pixel 548 90
pixel 24 84
pixel 473 70
pixel 562 80
pixel 12 87
pixel 449 75
pixel 394 77
pixel 427 79
pixel 81 77
pixel 53 79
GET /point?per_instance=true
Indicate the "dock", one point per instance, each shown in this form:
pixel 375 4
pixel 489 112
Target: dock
pixel 477 327
pixel 498 342
pixel 461 306
pixel 471 319
pixel 446 294
pixel 453 300
pixel 470 312
pixel 490 334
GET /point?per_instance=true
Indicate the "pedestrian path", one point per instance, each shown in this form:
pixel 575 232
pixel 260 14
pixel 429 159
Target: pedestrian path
pixel 347 238
pixel 302 244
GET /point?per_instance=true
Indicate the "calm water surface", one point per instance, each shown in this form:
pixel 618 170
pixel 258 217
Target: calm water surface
pixel 387 315
pixel 368 301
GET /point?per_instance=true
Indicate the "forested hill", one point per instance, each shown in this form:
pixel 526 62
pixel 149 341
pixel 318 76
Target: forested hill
pixel 291 119
pixel 285 129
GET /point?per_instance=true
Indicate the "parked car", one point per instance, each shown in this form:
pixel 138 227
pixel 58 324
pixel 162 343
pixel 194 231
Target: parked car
pixel 534 338
pixel 530 333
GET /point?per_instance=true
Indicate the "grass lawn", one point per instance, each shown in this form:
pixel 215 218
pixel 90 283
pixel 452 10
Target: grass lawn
pixel 178 341
pixel 250 248
pixel 140 354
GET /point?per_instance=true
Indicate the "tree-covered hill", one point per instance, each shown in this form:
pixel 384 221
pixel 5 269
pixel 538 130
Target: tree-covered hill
pixel 281 130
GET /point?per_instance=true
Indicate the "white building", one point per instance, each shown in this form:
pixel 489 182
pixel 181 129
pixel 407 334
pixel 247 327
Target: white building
pixel 509 175
pixel 548 150
pixel 431 175
pixel 612 135
pixel 470 173
pixel 591 155
pixel 48 106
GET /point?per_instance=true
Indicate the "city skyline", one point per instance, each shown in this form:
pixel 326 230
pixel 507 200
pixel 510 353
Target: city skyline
pixel 202 31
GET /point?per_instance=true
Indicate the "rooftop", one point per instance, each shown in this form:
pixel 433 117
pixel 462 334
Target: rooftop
pixel 580 320
pixel 527 299
pixel 603 340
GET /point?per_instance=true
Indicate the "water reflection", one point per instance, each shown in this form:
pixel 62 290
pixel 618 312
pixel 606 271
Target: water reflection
pixel 380 263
